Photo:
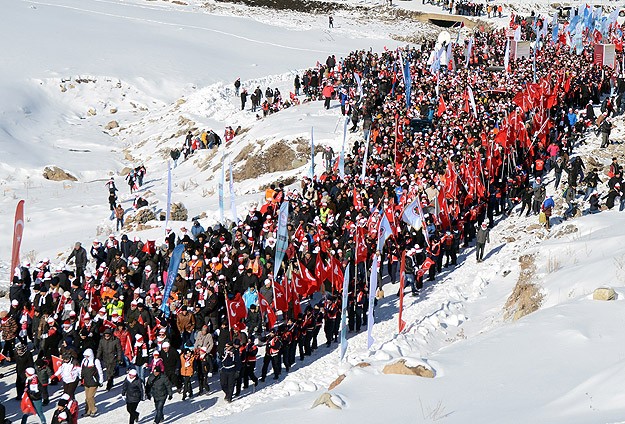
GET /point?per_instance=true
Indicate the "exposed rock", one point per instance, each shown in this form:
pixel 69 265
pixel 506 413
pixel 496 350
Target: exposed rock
pixel 142 216
pixel 113 110
pixel 180 102
pixel 111 125
pixel 526 296
pixel 54 173
pixel 326 399
pixel 604 293
pixel 63 89
pixel 91 112
pixel 178 212
pixel 363 364
pixel 401 368
pixel 336 382
pixel 125 171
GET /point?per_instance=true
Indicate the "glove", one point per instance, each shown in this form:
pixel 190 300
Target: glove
pixel 148 397
pixel 170 397
pixel 210 374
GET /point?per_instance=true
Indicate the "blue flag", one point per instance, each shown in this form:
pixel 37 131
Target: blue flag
pixel 408 81
pixel 373 287
pixel 172 273
pixel 168 194
pixel 283 237
pixel 233 200
pixel 344 313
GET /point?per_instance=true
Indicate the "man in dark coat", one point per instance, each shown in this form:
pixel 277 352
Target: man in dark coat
pixel 110 354
pixel 158 387
pixel 80 258
pixel 133 392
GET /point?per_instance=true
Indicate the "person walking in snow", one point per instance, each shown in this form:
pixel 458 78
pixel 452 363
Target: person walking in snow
pixel 132 392
pixel 92 377
pixel 243 98
pixel 237 87
pixel 330 21
pixel 483 236
pixel 119 214
pixel 130 178
pixel 159 388
pixel 328 156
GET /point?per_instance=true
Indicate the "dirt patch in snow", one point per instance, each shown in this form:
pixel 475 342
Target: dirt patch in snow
pixel 526 296
pixel 280 156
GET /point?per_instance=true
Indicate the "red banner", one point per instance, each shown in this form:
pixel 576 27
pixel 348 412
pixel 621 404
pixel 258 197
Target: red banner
pixel 18 230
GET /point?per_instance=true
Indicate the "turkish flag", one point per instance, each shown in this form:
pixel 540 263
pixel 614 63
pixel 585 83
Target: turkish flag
pixel 336 273
pixel 297 309
pixel 266 308
pixel 236 310
pixel 279 297
pixel 441 107
pixel 362 252
pixel 27 405
pixel 299 234
pixel 56 363
pixel 502 137
pixel 321 270
pixel 427 263
pixel 128 351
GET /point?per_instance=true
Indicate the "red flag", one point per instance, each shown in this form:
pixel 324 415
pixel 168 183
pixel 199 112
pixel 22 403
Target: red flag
pixel 151 333
pixel 297 309
pixel 300 285
pixel 128 351
pixel 265 308
pixel 27 405
pixel 279 297
pixel 56 363
pixel 427 263
pixel 299 234
pixel 441 107
pixel 236 310
pixel 2 357
pixel 140 320
pixel 502 136
pixel 336 274
pixel 362 252
pixel 110 324
pixel 18 229
pixel 402 275
pixel 321 270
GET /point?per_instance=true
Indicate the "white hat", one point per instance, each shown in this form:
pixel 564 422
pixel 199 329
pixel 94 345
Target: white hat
pixel 14 302
pixel 165 344
pixel 30 371
pixel 148 268
pixel 132 373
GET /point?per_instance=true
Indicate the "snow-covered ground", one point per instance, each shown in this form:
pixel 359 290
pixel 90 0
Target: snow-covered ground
pixel 154 65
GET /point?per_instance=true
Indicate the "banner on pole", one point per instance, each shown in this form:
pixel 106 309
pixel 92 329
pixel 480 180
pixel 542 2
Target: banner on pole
pixel 283 237
pixel 18 230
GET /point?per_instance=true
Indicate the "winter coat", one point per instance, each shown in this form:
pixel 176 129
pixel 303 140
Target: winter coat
pixel 483 236
pixel 8 327
pixel 185 322
pixel 133 390
pixel 186 365
pixel 158 387
pixel 109 351
pixel 91 372
pixel 80 256
pixel 204 340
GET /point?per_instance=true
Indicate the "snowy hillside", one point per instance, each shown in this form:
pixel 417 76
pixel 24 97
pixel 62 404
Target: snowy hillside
pixel 159 69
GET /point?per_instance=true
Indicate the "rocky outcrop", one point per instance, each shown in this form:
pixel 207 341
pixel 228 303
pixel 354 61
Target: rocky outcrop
pixel 401 368
pixel 54 173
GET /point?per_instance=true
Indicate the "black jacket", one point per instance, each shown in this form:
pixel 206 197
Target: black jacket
pixel 158 386
pixel 133 390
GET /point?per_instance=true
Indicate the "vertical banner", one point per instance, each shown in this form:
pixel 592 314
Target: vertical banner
pixel 342 156
pixel 359 82
pixel 373 287
pixel 283 237
pixel 365 158
pixel 472 101
pixel 469 48
pixel 312 153
pixel 172 273
pixel 402 281
pixel 222 182
pixel 344 313
pixel 18 230
pixel 506 58
pixel 408 82
pixel 168 194
pixel 233 199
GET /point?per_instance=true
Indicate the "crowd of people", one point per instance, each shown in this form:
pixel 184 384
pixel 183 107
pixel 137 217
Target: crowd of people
pixel 494 137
